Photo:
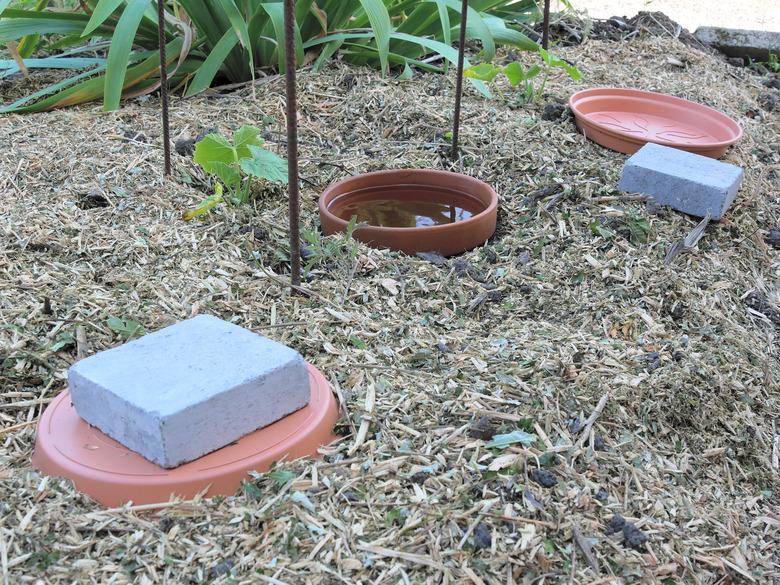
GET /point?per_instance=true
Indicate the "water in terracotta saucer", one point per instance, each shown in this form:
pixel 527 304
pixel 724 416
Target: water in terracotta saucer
pixel 627 119
pixel 66 446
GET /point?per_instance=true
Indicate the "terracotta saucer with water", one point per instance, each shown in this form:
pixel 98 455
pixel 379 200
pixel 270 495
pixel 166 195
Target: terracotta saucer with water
pixel 461 210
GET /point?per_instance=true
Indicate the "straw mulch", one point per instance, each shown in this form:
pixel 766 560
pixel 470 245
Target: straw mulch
pixel 651 390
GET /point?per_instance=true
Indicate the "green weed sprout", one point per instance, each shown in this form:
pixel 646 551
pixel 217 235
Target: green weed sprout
pixel 516 74
pixel 235 166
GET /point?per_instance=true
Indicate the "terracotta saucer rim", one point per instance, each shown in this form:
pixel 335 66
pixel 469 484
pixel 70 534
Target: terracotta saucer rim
pixel 491 208
pixel 583 119
pixel 51 460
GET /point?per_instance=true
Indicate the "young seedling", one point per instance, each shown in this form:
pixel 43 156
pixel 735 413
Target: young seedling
pixel 516 74
pixel 235 166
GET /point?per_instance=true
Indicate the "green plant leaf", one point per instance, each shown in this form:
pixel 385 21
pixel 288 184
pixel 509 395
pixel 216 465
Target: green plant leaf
pixel 515 73
pixel 126 328
pixel 214 148
pixel 382 27
pixel 3 5
pixel 245 137
pixel 503 441
pixel 227 173
pixel 533 71
pixel 103 10
pixel 119 52
pixel 63 340
pixel 206 205
pixel 281 477
pixel 600 230
pixel 476 29
pixel 210 67
pixel 265 164
pixel 483 72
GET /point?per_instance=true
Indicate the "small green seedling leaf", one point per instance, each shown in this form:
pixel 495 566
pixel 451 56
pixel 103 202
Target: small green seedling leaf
pixel 503 441
pixel 600 230
pixel 206 205
pixel 483 72
pixel 63 340
pixel 226 173
pixel 357 342
pixel 515 73
pixel 265 164
pixel 214 148
pixel 281 477
pixel 126 328
pixel 245 137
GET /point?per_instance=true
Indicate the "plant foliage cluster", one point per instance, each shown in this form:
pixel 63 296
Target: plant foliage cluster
pixel 112 45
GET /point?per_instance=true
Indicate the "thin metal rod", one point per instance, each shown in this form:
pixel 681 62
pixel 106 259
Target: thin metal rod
pixel 464 6
pixel 292 141
pixel 546 25
pixel 166 124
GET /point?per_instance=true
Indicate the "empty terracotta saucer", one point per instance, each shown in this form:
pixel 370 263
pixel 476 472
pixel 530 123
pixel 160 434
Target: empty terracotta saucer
pixel 412 210
pixel 66 446
pixel 627 119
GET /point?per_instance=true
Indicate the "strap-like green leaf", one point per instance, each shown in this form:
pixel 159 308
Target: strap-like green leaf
pixel 212 64
pixel 382 27
pixel 103 10
pixel 445 51
pixel 3 5
pixel 121 45
pixel 275 11
pixel 16 24
pixel 476 28
pixel 239 25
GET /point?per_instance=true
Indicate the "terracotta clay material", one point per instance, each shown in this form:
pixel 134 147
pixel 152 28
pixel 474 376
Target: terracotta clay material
pixel 627 119
pixel 415 185
pixel 66 446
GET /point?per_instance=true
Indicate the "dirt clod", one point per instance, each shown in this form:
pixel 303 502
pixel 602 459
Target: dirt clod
pixel 483 538
pixel 544 477
pixel 633 537
pixel 483 429
pixel 616 524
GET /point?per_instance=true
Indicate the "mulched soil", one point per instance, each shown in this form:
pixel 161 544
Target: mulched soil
pixel 651 389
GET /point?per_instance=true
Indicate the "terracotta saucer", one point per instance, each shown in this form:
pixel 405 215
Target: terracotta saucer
pixel 406 185
pixel 627 119
pixel 66 446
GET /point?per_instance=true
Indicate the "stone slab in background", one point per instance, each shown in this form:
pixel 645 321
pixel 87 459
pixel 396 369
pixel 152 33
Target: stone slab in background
pixel 188 389
pixel 733 42
pixel 684 181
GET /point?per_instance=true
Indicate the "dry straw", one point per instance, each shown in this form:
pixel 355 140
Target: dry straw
pixel 651 390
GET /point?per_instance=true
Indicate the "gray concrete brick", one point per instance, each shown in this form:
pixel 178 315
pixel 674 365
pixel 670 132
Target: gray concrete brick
pixel 687 182
pixel 734 42
pixel 188 389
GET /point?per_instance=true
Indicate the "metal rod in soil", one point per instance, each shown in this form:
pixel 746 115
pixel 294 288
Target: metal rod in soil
pixel 546 25
pixel 166 125
pixel 292 141
pixel 459 79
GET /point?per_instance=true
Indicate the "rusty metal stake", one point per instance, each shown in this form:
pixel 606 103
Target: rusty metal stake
pixel 546 25
pixel 292 141
pixel 166 125
pixel 464 7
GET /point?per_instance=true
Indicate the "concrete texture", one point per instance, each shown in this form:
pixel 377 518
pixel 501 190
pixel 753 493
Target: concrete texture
pixel 687 182
pixel 755 44
pixel 189 389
